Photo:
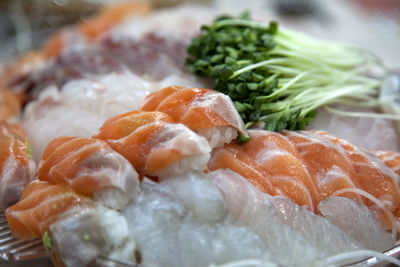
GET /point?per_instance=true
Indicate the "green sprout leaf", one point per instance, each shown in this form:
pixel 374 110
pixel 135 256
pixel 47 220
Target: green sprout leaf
pixel 280 77
pixel 46 239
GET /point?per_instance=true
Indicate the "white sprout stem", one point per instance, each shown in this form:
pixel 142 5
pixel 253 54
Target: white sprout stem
pixel 320 97
pixel 355 92
pixel 363 114
pixel 288 84
pixel 324 56
pixel 306 57
pixel 257 65
pixel 315 97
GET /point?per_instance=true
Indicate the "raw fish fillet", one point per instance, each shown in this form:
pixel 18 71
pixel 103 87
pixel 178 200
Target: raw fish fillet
pixel 154 144
pixel 314 228
pixel 271 163
pixel 183 221
pixel 309 166
pixel 285 228
pixel 92 28
pixel 180 23
pixel 40 205
pixel 356 220
pixel 390 158
pixel 232 157
pixel 202 110
pixel 16 165
pixel 91 168
pixel 87 236
pixel 10 105
pixel 329 167
pixel 287 170
pixel 367 172
pixel 368 133
pixel 80 107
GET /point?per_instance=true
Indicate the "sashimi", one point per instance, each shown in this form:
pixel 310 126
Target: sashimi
pixel 154 144
pixel 281 160
pixel 91 168
pixel 183 221
pixel 16 165
pixel 390 158
pixel 368 133
pixel 81 106
pixel 356 220
pixel 374 177
pixel 271 163
pixel 330 169
pixel 283 237
pixel 209 113
pixel 90 236
pixel 232 157
pixel 10 105
pixel 40 205
pixel 350 171
pixel 318 230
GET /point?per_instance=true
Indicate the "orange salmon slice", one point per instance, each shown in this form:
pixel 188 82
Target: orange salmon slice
pixel 40 205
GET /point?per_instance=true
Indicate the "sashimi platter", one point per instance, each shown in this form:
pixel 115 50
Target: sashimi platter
pixel 187 136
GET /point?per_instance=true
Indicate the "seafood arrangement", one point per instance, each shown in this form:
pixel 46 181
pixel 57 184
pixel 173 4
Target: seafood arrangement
pixel 112 148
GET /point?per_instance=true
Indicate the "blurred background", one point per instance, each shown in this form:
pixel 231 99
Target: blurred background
pixel 372 24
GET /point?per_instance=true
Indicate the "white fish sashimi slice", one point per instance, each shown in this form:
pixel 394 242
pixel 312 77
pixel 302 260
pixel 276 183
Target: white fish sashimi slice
pixel 357 221
pixel 319 231
pixel 110 94
pixel 222 105
pixel 199 194
pixel 194 149
pixel 368 133
pixel 180 23
pixel 47 119
pixel 84 236
pixel 80 107
pixel 253 208
pixel 173 228
pixel 118 181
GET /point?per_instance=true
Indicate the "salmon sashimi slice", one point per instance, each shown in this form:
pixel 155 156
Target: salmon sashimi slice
pixel 233 158
pixel 207 112
pixel 10 105
pixel 16 165
pixel 379 181
pixel 90 29
pixel 40 205
pixel 272 164
pixel 154 144
pixel 281 160
pixel 12 72
pixel 390 158
pixel 374 176
pixel 330 169
pixel 91 168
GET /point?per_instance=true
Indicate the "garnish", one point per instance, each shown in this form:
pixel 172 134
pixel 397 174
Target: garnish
pixel 86 237
pixel 46 239
pixel 29 149
pixel 280 77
